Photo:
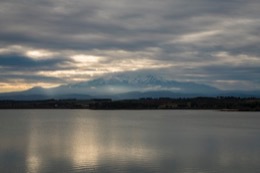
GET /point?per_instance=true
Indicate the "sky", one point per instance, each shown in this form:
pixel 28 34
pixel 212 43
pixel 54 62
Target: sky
pixel 54 42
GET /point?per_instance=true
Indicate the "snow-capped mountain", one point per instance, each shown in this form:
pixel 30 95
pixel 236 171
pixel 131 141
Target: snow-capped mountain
pixel 121 83
pixel 124 86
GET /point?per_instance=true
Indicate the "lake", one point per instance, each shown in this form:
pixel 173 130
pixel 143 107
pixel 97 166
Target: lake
pixel 169 141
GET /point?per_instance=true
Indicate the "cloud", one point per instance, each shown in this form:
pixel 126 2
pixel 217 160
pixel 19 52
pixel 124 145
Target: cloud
pixel 18 61
pixel 78 40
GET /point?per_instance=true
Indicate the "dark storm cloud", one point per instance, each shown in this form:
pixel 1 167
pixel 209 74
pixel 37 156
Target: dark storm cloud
pixel 199 36
pixel 235 73
pixel 15 61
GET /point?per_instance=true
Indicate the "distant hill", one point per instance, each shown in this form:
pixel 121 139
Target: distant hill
pixel 39 93
pixel 125 86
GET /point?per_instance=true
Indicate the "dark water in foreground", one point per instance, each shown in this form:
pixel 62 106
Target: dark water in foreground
pixel 76 141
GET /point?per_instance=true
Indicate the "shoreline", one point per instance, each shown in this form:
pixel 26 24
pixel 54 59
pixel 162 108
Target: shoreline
pixel 220 110
pixel 225 104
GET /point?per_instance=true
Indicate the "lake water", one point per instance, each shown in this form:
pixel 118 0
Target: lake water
pixel 77 141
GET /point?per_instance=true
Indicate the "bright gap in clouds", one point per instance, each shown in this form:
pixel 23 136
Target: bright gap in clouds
pixel 85 59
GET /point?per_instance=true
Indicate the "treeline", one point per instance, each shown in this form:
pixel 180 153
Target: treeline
pixel 45 104
pixel 223 103
pixel 218 103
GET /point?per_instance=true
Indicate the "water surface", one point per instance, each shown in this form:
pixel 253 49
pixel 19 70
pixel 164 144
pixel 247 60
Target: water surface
pixel 77 141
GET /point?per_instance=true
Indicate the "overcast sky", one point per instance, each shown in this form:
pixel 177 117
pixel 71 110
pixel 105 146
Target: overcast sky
pixel 52 42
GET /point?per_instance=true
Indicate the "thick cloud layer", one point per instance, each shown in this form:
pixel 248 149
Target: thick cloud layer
pixel 62 41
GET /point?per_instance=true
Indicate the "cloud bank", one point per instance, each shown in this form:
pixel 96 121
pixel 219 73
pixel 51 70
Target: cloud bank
pixel 53 42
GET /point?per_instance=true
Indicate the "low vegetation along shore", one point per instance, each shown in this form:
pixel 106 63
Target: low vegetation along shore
pixel 216 103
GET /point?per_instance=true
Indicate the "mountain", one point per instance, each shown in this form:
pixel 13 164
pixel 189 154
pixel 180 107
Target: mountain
pixel 124 86
pixel 124 83
pixel 39 93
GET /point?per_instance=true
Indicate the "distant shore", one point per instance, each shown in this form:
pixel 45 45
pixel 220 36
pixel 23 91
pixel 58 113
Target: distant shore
pixel 205 103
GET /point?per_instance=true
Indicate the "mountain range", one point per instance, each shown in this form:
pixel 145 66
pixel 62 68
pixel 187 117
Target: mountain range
pixel 125 86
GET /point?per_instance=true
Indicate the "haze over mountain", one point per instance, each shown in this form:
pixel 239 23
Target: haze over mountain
pixel 124 86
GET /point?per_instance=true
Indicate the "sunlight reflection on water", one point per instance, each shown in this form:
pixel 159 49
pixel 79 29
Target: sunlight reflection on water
pixel 41 141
